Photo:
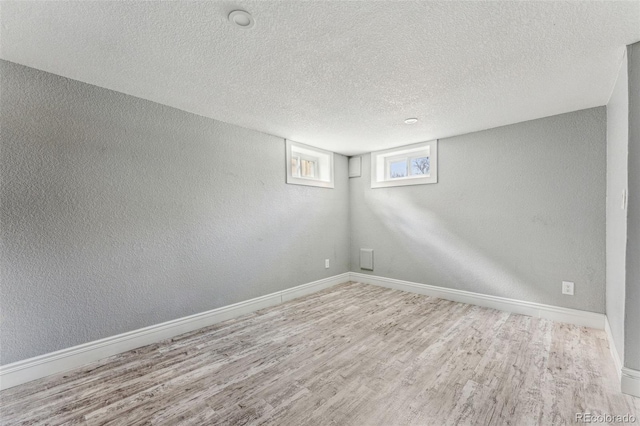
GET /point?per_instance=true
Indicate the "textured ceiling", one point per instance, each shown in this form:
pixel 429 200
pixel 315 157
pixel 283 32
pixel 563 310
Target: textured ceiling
pixel 339 75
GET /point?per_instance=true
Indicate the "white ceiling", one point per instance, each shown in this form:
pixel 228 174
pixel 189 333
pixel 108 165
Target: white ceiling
pixel 339 75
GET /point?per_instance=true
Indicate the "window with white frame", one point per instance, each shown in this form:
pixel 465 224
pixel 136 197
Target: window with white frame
pixel 415 164
pixel 307 165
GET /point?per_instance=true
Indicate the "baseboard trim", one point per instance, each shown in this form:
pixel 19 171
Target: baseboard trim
pixel 630 382
pixel 67 359
pixel 555 313
pixel 612 348
pixel 629 378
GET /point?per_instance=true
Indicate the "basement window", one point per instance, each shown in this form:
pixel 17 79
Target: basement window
pixel 415 164
pixel 307 165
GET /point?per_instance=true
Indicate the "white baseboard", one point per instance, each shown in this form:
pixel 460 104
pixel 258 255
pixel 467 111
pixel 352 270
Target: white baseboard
pixel 612 347
pixel 630 381
pixel 66 359
pixel 629 378
pixel 555 313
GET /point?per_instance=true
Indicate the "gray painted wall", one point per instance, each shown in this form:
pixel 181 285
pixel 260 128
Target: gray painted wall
pixel 617 149
pixel 632 304
pixel 119 213
pixel 516 210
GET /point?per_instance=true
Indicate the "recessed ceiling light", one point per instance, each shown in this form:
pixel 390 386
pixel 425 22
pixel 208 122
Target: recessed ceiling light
pixel 411 121
pixel 241 19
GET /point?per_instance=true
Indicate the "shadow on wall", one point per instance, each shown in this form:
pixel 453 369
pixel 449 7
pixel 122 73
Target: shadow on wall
pixel 431 245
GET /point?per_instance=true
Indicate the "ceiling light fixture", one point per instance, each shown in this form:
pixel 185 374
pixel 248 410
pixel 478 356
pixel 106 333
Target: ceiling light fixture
pixel 411 121
pixel 241 19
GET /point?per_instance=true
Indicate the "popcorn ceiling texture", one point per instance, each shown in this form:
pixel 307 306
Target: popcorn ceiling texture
pixel 339 75
pixel 516 210
pixel 119 213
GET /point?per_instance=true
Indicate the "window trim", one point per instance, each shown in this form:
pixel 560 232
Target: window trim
pixel 383 179
pixel 308 181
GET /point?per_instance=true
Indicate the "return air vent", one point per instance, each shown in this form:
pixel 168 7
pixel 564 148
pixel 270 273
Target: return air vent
pixel 366 259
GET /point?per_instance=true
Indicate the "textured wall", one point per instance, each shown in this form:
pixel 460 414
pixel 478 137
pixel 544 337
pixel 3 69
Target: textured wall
pixel 617 148
pixel 119 213
pixel 516 210
pixel 632 305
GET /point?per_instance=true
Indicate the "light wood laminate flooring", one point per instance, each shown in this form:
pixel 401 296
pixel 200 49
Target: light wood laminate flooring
pixel 353 354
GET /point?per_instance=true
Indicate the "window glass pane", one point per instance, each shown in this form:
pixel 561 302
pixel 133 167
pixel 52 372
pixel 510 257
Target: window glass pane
pixel 307 165
pixel 398 169
pixel 420 165
pixel 307 168
pixel 405 165
pixel 295 166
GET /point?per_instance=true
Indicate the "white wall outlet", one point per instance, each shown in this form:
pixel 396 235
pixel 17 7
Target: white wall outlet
pixel 326 263
pixel 567 288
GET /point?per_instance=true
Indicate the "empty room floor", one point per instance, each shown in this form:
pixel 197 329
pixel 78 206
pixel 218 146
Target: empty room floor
pixel 354 354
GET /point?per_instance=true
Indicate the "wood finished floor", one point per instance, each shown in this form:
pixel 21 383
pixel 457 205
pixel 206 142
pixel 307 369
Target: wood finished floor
pixel 353 354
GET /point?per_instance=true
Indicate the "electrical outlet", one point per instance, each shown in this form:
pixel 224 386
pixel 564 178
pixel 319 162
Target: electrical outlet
pixel 567 288
pixel 326 263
